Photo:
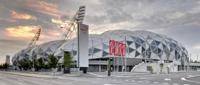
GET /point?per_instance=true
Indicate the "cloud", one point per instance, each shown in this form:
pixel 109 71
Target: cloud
pixel 178 19
pixel 44 7
pixel 21 31
pixel 11 46
pixel 22 16
pixel 57 21
pixel 98 29
pixel 50 35
pixel 196 47
pixel 175 15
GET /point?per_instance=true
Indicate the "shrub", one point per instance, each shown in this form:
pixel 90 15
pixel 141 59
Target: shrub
pixel 52 61
pixel 67 59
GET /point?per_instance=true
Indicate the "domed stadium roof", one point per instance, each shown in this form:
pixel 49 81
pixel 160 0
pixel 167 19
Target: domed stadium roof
pixel 42 50
pixel 138 45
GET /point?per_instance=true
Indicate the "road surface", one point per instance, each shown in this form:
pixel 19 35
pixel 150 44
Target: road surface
pixel 100 79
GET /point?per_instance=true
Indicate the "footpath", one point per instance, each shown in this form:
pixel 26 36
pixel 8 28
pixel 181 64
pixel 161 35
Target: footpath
pixel 42 74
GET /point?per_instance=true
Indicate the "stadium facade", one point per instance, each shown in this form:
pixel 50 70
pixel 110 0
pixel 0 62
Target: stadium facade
pixel 142 48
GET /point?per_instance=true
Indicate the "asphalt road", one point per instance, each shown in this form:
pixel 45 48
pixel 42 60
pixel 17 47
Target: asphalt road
pixel 101 79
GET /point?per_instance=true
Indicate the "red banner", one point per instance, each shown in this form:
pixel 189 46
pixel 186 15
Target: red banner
pixel 117 48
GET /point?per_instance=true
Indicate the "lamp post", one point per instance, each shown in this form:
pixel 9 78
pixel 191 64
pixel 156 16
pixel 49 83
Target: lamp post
pixel 109 66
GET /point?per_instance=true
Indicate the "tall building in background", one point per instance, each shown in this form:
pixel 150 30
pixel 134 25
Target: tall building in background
pixel 8 59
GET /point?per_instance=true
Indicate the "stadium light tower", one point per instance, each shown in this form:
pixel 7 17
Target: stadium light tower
pixel 35 38
pixel 72 25
pixel 33 43
pixel 30 47
pixel 76 23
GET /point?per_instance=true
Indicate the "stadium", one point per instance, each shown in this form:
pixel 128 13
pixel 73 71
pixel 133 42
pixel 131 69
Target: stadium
pixel 142 50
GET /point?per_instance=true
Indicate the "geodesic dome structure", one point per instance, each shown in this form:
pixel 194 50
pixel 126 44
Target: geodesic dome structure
pixel 139 44
pixel 39 51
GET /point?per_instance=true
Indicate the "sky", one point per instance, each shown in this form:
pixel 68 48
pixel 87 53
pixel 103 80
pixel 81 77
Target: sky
pixel 20 19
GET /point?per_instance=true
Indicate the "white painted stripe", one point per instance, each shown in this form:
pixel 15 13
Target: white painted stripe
pixel 167 79
pixel 183 78
pixel 107 84
pixel 155 82
pixel 97 75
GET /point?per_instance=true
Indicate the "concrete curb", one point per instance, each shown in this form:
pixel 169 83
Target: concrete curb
pixel 37 75
pixel 30 75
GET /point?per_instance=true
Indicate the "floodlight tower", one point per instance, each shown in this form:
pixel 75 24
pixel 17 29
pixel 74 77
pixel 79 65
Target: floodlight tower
pixel 30 46
pixel 76 24
pixel 72 25
pixel 33 43
pixel 35 38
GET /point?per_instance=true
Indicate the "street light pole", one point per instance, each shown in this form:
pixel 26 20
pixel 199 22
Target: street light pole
pixel 125 54
pixel 109 66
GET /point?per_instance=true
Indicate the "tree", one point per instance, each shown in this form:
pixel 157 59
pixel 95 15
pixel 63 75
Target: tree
pixel 5 66
pixel 161 67
pixel 67 62
pixel 67 59
pixel 34 64
pixel 52 61
pixel 40 63
pixel 25 64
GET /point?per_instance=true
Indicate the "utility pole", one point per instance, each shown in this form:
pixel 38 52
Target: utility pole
pixel 125 54
pixel 109 66
pixel 189 59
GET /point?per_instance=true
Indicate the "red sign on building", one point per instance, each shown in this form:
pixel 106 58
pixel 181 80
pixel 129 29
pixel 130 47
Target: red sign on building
pixel 117 48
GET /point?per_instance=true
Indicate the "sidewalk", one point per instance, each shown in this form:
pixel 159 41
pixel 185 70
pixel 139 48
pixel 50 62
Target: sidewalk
pixel 43 74
pixel 80 74
pixel 118 74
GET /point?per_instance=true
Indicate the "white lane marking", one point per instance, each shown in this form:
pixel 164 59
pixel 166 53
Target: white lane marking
pixel 97 75
pixel 155 82
pixel 183 78
pixel 107 84
pixel 167 79
pixel 121 76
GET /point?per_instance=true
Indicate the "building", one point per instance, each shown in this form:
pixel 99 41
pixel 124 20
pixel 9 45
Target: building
pixel 8 59
pixel 142 48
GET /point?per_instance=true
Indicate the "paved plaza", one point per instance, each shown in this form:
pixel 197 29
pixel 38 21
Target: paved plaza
pixel 99 78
